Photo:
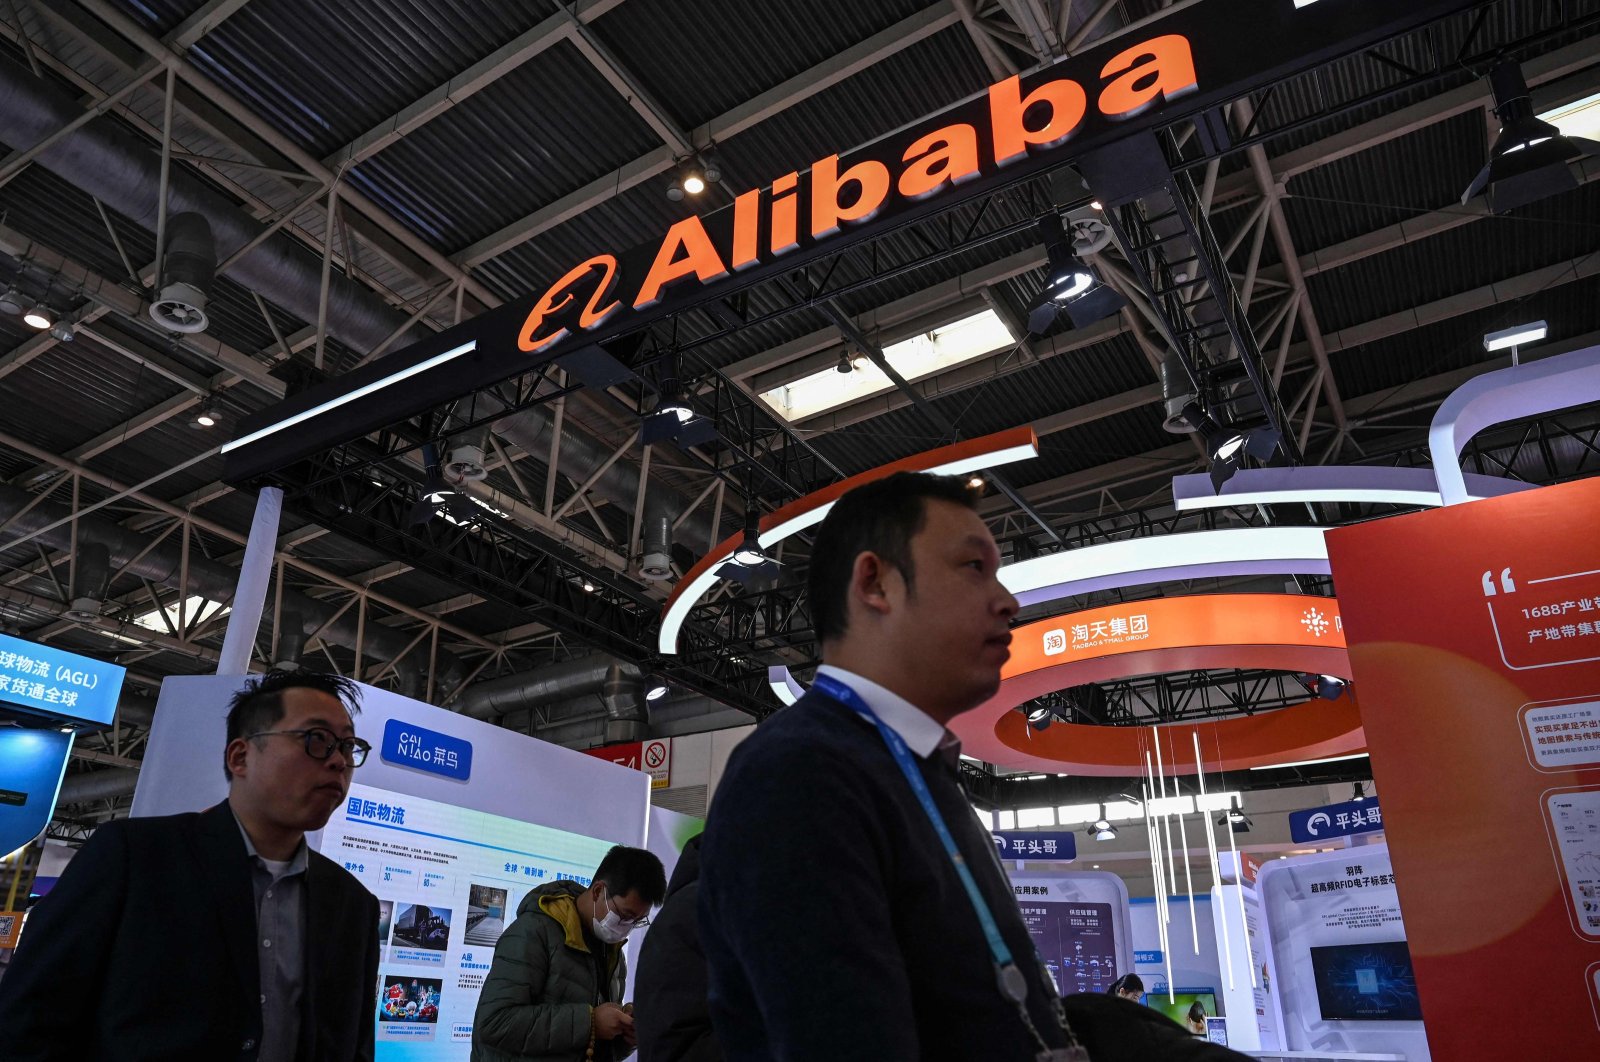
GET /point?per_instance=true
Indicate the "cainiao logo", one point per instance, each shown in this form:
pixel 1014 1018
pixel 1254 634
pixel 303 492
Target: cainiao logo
pixel 1315 622
pixel 1055 642
pixel 1316 823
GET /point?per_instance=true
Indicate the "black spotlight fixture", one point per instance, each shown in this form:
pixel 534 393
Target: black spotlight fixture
pixel 674 419
pixel 1236 820
pixel 750 566
pixel 1228 446
pixel 438 494
pixel 1102 830
pixel 693 174
pixel 1330 687
pixel 1528 161
pixel 845 367
pixel 1359 794
pixel 1070 286
pixel 1040 718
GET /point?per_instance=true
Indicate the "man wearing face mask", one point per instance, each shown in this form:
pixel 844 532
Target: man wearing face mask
pixel 554 992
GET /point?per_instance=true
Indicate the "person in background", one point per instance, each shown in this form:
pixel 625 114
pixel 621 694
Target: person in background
pixel 670 987
pixel 1128 986
pixel 554 990
pixel 266 951
pixel 1197 1018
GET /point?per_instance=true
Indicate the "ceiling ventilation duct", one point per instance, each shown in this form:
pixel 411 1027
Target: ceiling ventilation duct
pixel 466 465
pixel 187 270
pixel 1177 391
pixel 291 641
pixel 92 577
pixel 623 695
pixel 656 562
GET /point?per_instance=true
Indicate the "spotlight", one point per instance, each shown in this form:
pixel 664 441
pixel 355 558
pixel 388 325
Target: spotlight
pixel 656 692
pixel 1106 832
pixel 1360 793
pixel 749 554
pixel 62 332
pixel 1236 820
pixel 672 401
pixel 1330 687
pixel 1101 824
pixel 11 301
pixel 38 317
pixel 1041 718
pixel 588 587
pixel 711 167
pixel 844 368
pixel 1529 159
pixel 1228 446
pixel 694 184
pixel 206 415
pixel 1070 285
pixel 975 482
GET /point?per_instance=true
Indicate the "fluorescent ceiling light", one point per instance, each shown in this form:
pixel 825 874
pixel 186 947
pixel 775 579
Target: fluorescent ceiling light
pixel 346 399
pixel 1580 118
pixel 1074 814
pixel 1030 817
pixel 1515 336
pixel 921 355
pixel 1310 763
pixel 196 610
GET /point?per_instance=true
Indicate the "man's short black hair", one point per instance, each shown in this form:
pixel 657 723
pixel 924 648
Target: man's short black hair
pixel 258 705
pixel 625 870
pixel 882 516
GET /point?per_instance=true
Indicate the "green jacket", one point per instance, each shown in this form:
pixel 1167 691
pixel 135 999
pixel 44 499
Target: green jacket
pixel 536 1002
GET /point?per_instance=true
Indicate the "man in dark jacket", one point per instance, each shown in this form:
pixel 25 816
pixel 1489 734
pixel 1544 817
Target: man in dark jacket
pixel 219 935
pixel 554 991
pixel 674 1023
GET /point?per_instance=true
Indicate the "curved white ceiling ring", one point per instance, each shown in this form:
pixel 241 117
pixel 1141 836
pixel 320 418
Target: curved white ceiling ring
pixel 1364 484
pixel 969 455
pixel 1166 558
pixel 1506 394
pixel 783 684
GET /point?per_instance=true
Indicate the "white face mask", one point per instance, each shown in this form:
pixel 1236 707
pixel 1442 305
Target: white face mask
pixel 611 929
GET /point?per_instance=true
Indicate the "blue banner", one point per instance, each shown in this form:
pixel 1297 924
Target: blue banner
pixel 1035 845
pixel 1335 820
pixel 31 765
pixel 409 745
pixel 57 683
pixel 1147 958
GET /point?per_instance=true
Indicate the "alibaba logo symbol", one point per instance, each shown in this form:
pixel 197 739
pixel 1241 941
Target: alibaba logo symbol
pixel 559 294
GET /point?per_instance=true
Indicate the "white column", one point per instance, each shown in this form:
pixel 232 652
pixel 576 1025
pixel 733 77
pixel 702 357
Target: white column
pixel 254 575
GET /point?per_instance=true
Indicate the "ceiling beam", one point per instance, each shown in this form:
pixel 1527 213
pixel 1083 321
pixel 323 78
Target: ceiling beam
pixel 801 87
pixel 469 82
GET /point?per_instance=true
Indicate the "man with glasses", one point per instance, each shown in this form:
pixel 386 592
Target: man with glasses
pixel 263 949
pixel 554 991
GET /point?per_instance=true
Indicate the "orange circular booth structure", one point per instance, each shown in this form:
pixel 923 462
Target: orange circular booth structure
pixel 1280 632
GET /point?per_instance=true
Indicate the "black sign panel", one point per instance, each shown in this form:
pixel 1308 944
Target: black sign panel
pixel 1179 65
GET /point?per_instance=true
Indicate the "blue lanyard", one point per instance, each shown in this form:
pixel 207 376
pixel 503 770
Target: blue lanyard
pixel 1013 985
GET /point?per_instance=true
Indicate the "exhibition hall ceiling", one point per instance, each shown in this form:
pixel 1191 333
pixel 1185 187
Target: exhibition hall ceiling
pixel 479 151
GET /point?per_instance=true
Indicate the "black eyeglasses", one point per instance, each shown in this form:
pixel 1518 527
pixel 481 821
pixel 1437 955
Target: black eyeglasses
pixel 320 744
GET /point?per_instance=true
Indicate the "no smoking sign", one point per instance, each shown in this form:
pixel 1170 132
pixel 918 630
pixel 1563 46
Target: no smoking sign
pixel 656 759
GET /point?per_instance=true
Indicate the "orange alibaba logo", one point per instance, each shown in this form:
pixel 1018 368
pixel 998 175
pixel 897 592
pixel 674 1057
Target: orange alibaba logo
pixel 559 294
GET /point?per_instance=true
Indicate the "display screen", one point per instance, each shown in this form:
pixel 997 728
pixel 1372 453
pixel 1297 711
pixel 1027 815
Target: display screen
pixel 1180 1002
pixel 448 882
pixel 1366 982
pixel 1076 941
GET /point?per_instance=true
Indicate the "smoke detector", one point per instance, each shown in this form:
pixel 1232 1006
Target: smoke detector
pixel 180 308
pixel 466 464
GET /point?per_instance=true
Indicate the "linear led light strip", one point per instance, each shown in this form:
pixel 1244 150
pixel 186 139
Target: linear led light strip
pixel 1310 763
pixel 1163 912
pixel 683 602
pixel 346 399
pixel 1216 871
pixel 1183 840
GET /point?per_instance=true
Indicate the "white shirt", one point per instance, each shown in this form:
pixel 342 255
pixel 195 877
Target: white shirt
pixel 922 734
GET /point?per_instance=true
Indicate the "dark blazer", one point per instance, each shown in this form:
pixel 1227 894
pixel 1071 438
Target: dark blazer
pixel 145 950
pixel 673 1019
pixel 833 922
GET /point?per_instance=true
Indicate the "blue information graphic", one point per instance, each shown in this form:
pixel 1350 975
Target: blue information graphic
pixel 448 882
pixel 43 679
pixel 31 765
pixel 409 745
pixel 1335 820
pixel 1035 845
pixel 1366 982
